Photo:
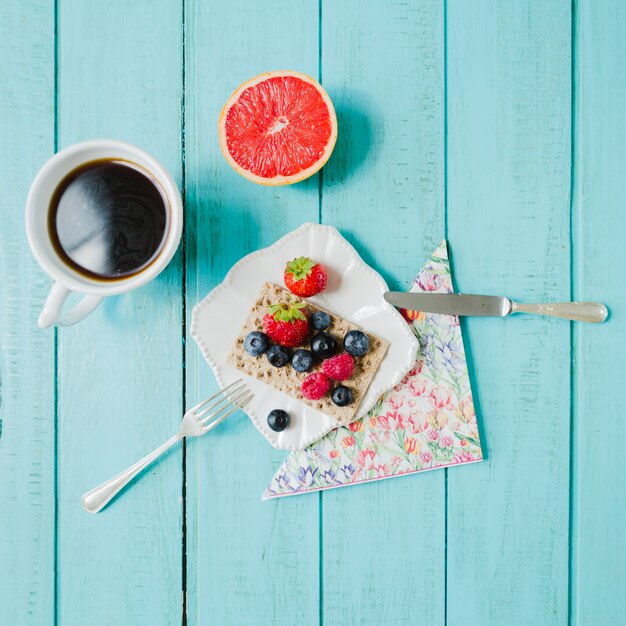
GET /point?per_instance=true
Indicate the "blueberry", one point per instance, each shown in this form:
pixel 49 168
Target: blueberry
pixel 323 345
pixel 342 396
pixel 278 356
pixel 319 320
pixel 356 343
pixel 256 343
pixel 302 361
pixel 278 420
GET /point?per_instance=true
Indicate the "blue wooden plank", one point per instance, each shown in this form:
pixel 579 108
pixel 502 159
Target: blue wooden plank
pixel 599 429
pixel 120 379
pixel 248 562
pixel 383 63
pixel 508 216
pixel 26 355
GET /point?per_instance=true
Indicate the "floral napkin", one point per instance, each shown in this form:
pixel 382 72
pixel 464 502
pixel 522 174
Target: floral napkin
pixel 426 422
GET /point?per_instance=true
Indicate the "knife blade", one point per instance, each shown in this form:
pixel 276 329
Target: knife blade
pixel 496 306
pixel 450 303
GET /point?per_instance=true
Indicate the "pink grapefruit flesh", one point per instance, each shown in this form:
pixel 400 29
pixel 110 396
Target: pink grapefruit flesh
pixel 278 128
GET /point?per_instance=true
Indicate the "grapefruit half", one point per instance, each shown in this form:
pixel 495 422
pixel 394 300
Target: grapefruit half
pixel 278 128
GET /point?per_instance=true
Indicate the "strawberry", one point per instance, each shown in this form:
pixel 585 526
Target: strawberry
pixel 305 277
pixel 286 324
pixel 339 367
pixel 315 386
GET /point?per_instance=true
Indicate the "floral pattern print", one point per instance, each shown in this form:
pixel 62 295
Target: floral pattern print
pixel 426 422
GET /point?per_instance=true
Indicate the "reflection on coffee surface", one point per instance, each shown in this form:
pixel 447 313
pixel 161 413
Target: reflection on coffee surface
pixel 108 219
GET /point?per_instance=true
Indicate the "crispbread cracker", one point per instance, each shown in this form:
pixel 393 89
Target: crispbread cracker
pixel 286 379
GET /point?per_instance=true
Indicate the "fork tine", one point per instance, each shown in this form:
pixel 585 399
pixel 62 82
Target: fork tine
pixel 219 420
pixel 207 414
pixel 221 393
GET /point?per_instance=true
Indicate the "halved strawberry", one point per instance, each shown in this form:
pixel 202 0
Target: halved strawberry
pixel 305 277
pixel 286 324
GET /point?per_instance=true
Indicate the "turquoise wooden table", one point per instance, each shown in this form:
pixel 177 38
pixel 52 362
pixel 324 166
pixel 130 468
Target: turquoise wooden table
pixel 498 124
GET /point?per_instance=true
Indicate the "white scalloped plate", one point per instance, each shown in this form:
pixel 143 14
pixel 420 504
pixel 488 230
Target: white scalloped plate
pixel 354 292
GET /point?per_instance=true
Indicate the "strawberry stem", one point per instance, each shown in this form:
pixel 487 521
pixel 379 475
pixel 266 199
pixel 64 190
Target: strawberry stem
pixel 287 311
pixel 300 267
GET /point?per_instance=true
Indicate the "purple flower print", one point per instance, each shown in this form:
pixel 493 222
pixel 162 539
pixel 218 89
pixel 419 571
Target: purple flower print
pixel 329 476
pixel 348 470
pixel 428 343
pixel 282 482
pixel 449 353
pixel 306 476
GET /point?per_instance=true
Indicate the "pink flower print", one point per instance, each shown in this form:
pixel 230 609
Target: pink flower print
pixel 440 396
pixel 364 456
pixel 416 425
pixel 446 441
pixel 406 378
pixel 395 401
pixel 465 410
pixel 334 453
pixel 427 281
pixel 347 442
pixel 426 457
pixel 432 435
pixel 410 444
pixel 381 470
pixel 411 403
pixel 417 387
pixel 463 457
pixel 391 421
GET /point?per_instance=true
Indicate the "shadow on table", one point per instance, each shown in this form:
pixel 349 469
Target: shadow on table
pixel 354 140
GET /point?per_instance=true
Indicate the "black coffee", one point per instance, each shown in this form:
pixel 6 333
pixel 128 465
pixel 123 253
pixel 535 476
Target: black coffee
pixel 108 219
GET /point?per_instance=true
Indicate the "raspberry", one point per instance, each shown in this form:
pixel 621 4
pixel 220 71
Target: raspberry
pixel 339 367
pixel 315 386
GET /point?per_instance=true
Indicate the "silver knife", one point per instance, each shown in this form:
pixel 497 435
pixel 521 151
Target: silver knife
pixel 498 306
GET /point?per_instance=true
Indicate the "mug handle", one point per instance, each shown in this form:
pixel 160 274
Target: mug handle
pixel 52 310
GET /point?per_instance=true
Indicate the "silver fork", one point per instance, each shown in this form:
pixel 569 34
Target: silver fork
pixel 197 421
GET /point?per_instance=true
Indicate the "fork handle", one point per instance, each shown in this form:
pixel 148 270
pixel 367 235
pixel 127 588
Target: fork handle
pixel 579 311
pixel 96 499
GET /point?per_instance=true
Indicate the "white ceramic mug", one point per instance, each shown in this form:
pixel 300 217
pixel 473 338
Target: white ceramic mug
pixel 66 279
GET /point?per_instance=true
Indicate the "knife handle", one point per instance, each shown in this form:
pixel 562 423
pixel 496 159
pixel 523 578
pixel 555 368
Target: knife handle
pixel 579 311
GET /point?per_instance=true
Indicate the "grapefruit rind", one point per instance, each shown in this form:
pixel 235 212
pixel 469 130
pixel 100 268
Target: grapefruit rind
pixel 278 180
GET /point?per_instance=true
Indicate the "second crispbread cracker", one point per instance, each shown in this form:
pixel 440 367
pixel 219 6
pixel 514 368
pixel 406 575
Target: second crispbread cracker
pixel 286 379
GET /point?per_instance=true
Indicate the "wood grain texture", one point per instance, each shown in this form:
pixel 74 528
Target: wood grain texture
pixel 488 544
pixel 249 562
pixel 26 355
pixel 508 216
pixel 599 429
pixel 383 65
pixel 120 378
